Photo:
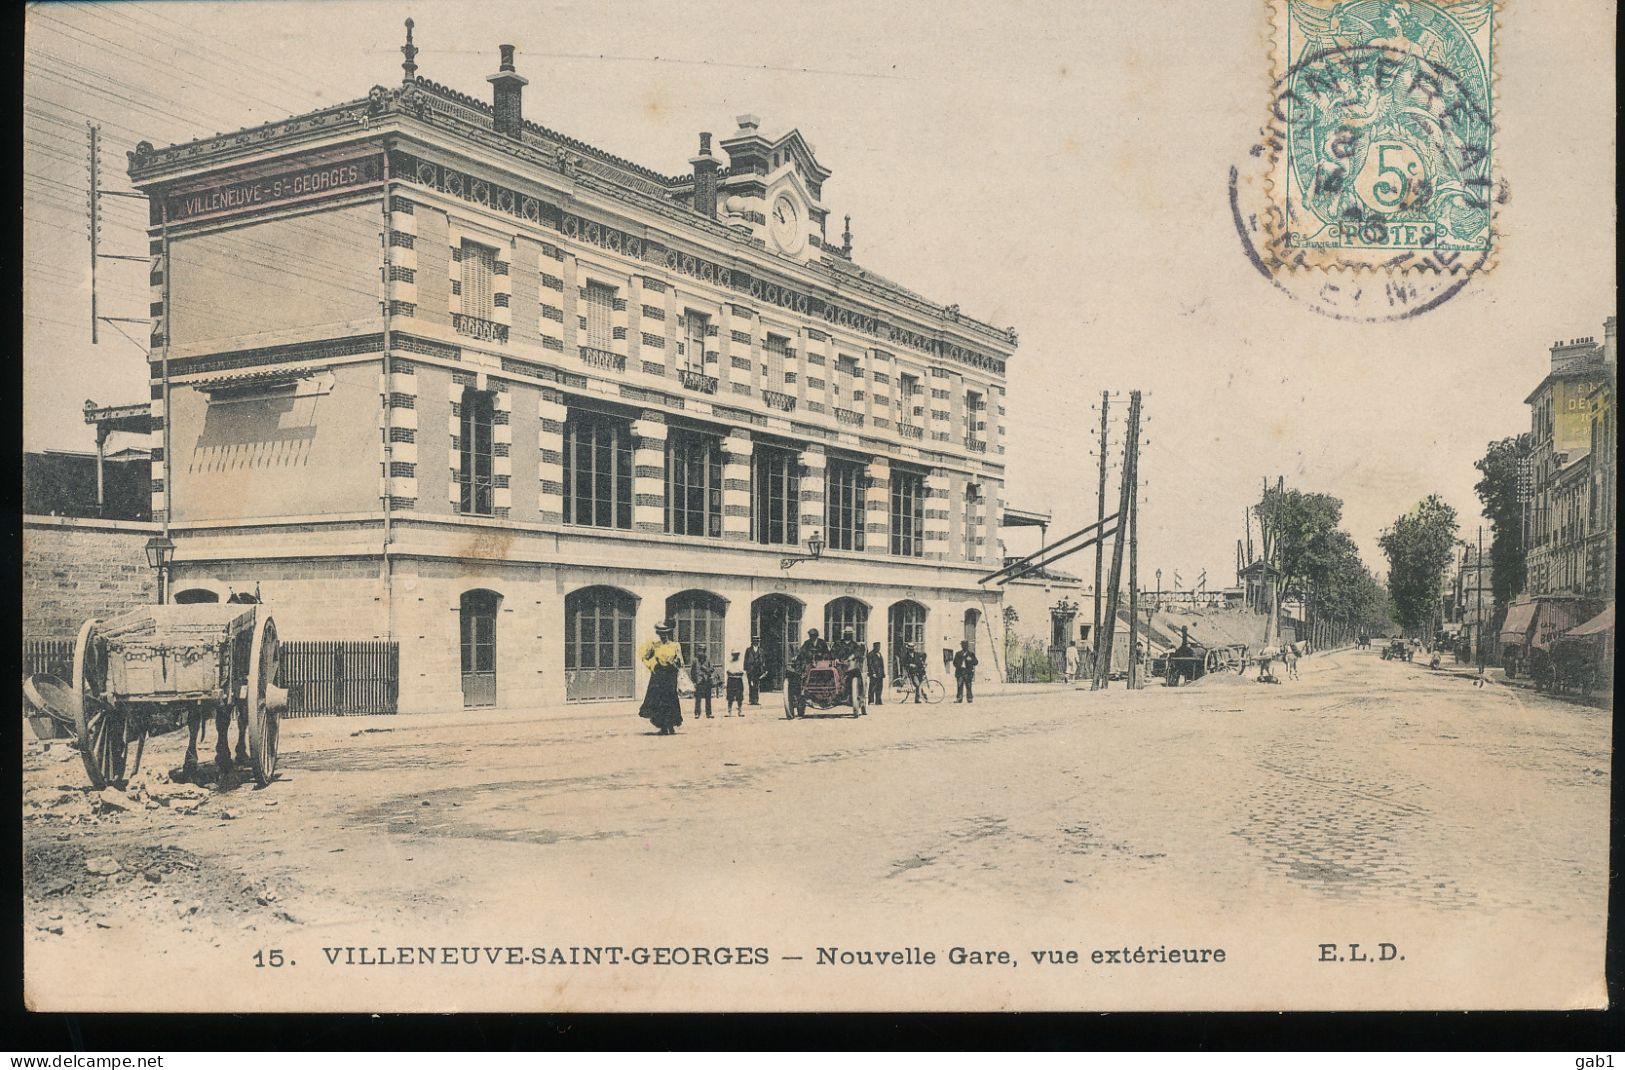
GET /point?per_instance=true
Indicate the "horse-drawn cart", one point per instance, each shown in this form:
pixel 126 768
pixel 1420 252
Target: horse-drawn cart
pixel 160 668
pixel 823 685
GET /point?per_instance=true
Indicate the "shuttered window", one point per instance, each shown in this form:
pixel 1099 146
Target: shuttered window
pixel 600 302
pixel 479 269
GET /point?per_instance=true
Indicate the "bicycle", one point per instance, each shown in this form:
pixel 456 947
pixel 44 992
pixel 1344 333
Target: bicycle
pixel 902 690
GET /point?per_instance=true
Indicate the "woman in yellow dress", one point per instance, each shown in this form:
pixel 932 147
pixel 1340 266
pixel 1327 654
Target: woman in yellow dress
pixel 664 659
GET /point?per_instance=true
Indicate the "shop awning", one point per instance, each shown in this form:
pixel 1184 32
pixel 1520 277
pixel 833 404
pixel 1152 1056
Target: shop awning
pixel 1520 615
pixel 1601 623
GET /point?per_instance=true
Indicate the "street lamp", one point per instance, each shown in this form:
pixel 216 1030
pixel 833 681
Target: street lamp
pixel 815 543
pixel 160 552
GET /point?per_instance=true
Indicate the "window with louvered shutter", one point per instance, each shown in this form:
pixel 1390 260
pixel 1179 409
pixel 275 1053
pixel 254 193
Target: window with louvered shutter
pixel 479 269
pixel 600 301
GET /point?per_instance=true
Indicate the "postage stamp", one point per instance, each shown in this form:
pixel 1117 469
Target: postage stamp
pixel 1383 119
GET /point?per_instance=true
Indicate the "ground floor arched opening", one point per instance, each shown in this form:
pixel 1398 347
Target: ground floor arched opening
pixel 599 649
pixel 775 625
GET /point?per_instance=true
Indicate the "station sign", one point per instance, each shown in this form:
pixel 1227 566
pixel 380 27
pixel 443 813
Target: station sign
pixel 301 180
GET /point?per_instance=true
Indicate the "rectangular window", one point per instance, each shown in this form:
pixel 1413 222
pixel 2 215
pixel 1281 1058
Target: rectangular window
pixel 907 514
pixel 600 302
pixel 475 436
pixel 908 389
pixel 693 484
pixel 777 350
pixel 597 471
pixel 479 268
pixel 693 344
pixel 843 514
pixel 776 496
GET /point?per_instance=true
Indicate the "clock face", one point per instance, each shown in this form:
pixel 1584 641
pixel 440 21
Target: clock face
pixel 784 222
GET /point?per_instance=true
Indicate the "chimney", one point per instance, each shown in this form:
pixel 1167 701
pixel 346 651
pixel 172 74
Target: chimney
pixel 1610 341
pixel 506 86
pixel 706 168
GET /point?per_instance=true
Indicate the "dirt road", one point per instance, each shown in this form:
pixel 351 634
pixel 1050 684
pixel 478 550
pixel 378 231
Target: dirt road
pixel 1370 803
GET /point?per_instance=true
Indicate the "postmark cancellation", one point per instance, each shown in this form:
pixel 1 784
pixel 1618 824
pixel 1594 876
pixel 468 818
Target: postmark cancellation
pixel 1381 134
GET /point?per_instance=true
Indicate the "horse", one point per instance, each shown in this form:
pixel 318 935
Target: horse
pixel 225 763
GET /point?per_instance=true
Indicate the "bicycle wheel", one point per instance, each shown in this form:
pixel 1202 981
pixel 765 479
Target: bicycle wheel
pixel 900 692
pixel 933 691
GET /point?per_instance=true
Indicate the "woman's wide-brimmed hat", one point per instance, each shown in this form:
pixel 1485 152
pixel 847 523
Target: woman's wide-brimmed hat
pixel 665 626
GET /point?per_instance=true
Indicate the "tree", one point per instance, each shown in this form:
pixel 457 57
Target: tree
pixel 1302 524
pixel 1498 490
pixel 1419 547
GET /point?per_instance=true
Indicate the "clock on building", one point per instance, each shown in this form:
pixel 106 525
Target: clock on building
pixel 784 223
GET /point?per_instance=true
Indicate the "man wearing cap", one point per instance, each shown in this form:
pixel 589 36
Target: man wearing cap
pixel 664 659
pixel 849 652
pixel 877 674
pixel 812 649
pixel 965 672
pixel 755 669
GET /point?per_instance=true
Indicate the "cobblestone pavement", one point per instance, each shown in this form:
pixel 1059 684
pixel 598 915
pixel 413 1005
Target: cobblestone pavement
pixel 1368 802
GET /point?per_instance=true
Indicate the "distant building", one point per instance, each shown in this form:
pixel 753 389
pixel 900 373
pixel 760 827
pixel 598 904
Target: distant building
pixel 1566 524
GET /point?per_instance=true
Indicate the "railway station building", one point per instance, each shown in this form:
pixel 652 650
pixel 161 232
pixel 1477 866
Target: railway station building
pixel 424 370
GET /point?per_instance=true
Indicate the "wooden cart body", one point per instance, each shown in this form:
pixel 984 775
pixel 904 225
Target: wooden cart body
pixel 154 669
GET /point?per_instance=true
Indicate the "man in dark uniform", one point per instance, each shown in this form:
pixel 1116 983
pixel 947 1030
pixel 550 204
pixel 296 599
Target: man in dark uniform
pixel 755 669
pixel 964 672
pixel 849 652
pixel 812 649
pixel 877 674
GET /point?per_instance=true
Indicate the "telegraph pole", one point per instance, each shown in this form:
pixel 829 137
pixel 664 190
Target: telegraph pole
pixel 1131 438
pixel 1100 546
pixel 95 221
pixel 1133 476
pixel 1478 598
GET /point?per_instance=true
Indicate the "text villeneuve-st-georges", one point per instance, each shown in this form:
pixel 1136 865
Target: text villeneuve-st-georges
pixel 621 955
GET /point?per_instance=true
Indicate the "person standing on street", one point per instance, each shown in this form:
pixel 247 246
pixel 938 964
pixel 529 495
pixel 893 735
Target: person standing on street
pixel 664 659
pixel 755 668
pixel 1069 668
pixel 964 672
pixel 700 673
pixel 1289 658
pixel 735 693
pixel 849 652
pixel 876 665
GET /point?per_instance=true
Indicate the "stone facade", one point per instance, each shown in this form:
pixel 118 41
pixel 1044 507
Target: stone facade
pixel 584 401
pixel 75 569
pixel 1573 471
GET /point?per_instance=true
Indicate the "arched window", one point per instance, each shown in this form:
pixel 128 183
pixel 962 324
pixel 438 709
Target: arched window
pixel 844 613
pixel 477 616
pixel 599 646
pixel 973 620
pixel 905 626
pixel 699 616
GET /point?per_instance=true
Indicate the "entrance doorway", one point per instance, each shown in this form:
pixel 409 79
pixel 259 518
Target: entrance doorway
pixel 775 621
pixel 477 614
pixel 598 644
pixel 973 620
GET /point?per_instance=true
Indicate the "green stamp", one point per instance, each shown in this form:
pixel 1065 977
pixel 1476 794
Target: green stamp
pixel 1386 111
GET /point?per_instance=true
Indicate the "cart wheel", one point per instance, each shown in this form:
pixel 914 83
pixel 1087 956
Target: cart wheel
pixel 265 700
pixel 99 722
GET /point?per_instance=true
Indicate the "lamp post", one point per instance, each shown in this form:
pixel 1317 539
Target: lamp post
pixel 815 544
pixel 160 552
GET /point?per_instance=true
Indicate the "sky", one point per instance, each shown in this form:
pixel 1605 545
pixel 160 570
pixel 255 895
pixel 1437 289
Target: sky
pixel 1058 167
